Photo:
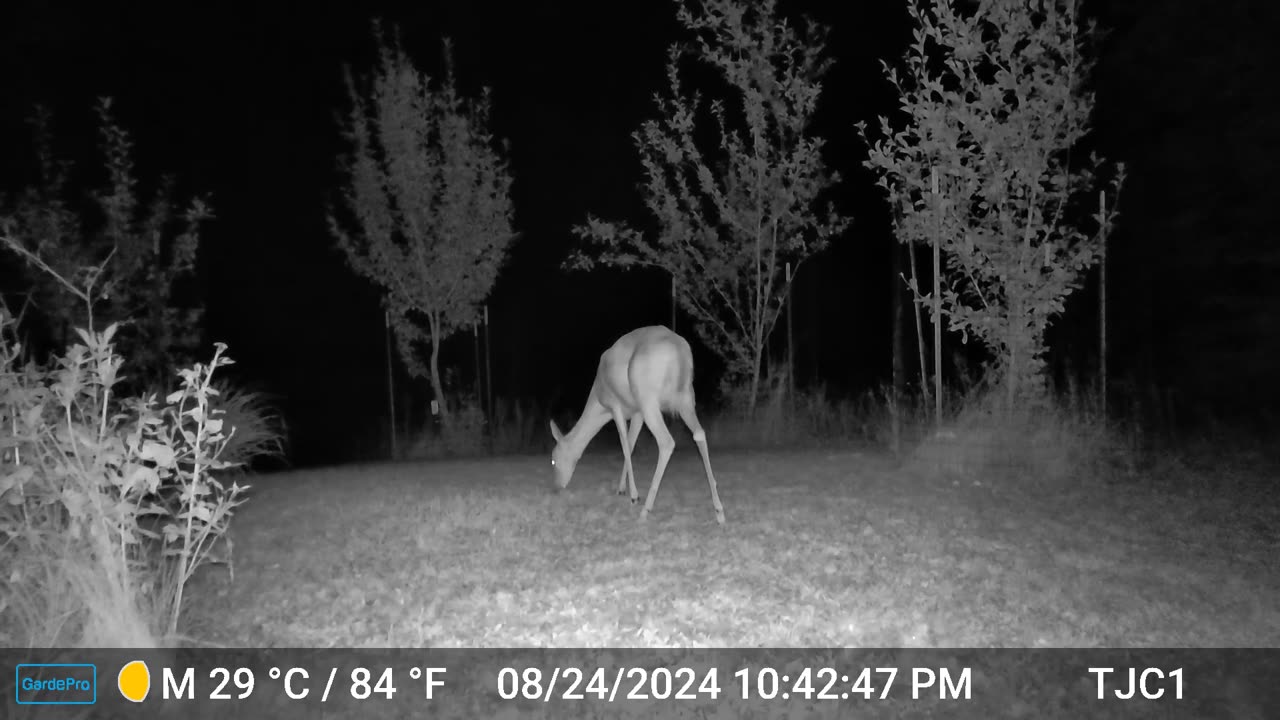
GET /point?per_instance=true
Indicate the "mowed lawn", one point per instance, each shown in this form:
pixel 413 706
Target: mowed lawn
pixel 828 549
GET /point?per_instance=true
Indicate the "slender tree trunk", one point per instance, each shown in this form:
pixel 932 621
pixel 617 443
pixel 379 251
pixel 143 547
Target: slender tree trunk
pixel 1024 376
pixel 755 377
pixel 1011 379
pixel 1011 342
pixel 437 388
pixel 915 303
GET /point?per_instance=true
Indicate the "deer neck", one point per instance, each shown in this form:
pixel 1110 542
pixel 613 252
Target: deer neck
pixel 593 417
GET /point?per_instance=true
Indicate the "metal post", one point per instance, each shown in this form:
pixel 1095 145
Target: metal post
pixel 475 356
pixel 673 302
pixel 1102 301
pixel 391 395
pixel 937 303
pixel 897 362
pixel 488 367
pixel 791 340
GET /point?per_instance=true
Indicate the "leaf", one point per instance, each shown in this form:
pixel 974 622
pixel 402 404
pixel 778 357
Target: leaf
pixel 16 479
pixel 162 455
pixel 172 532
pixel 143 477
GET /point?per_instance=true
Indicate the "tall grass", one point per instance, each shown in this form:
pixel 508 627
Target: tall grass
pixel 1066 438
pixel 256 430
pixel 517 426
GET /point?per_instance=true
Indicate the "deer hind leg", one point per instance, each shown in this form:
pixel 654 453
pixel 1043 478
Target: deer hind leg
pixel 700 438
pixel 629 474
pixel 628 445
pixel 666 444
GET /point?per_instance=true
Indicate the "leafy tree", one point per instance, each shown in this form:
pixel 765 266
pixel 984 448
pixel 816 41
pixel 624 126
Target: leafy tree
pixel 427 204
pixel 995 100
pixel 730 216
pixel 118 260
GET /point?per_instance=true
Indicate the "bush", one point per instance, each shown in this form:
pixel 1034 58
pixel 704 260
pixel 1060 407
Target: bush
pixel 464 433
pixel 809 418
pixel 85 466
pixel 519 426
pixel 1064 438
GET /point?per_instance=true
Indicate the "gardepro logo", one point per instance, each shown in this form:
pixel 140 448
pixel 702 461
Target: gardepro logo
pixel 57 684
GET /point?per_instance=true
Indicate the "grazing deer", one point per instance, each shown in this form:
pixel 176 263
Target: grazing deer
pixel 645 373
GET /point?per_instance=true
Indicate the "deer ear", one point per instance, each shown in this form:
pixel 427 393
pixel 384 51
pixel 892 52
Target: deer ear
pixel 555 432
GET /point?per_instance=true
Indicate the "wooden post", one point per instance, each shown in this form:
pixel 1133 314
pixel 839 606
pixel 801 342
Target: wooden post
pixel 391 395
pixel 1102 302
pixel 937 303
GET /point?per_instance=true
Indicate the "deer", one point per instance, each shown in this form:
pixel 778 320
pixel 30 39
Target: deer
pixel 645 373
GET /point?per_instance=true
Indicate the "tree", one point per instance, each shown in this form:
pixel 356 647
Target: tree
pixel 730 218
pixel 427 199
pixel 134 257
pixel 996 101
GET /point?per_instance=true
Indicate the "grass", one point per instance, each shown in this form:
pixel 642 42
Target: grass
pixel 835 548
pixel 258 428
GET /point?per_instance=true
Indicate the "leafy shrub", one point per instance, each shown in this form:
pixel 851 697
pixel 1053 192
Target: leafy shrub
pixel 808 418
pixel 464 434
pixel 83 465
pixel 1062 439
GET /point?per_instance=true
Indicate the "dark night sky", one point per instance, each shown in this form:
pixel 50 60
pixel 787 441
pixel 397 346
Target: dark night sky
pixel 240 100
